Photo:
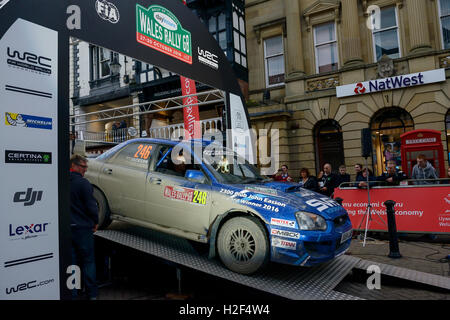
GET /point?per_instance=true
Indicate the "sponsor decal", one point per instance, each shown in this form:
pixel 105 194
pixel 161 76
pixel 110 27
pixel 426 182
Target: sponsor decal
pixel 107 11
pixel 28 197
pixel 322 203
pixel 28 286
pixel 282 223
pixel 24 232
pixel 159 29
pixel 29 61
pixel 392 83
pixel 186 194
pixel 285 233
pixel 29 157
pixel 208 58
pixel 25 120
pixel 17 262
pixel 285 244
pixel 28 91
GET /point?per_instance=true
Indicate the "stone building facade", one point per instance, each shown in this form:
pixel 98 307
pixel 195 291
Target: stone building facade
pixel 300 51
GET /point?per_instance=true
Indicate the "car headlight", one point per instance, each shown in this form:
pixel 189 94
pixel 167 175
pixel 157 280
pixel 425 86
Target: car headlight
pixel 310 221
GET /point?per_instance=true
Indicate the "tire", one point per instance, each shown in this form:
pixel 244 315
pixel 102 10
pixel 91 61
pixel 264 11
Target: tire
pixel 243 245
pixel 104 219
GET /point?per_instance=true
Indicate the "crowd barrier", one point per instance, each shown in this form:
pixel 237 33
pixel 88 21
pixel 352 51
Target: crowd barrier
pixel 421 208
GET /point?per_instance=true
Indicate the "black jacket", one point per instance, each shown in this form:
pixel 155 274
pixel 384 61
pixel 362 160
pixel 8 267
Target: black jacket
pixel 83 207
pixel 397 177
pixel 341 178
pixel 330 182
pixel 311 184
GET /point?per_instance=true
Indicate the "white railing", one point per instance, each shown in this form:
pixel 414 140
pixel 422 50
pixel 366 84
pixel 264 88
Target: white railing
pixel 174 131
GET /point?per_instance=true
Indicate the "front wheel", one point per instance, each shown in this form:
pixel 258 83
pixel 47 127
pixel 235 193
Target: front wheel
pixel 104 219
pixel 242 245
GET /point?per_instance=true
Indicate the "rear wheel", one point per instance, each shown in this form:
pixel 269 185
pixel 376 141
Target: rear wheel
pixel 242 245
pixel 104 219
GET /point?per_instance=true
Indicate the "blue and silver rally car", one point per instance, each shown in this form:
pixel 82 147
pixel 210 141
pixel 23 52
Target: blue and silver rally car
pixel 204 192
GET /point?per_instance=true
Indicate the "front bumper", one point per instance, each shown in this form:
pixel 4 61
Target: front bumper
pixel 313 247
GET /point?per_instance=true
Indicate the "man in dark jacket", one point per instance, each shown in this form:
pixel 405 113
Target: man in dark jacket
pixel 391 177
pixel 327 180
pixel 83 222
pixel 343 176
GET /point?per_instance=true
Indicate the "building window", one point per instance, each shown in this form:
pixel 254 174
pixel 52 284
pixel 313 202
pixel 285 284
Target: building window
pixel 444 14
pixel 217 27
pixel 329 144
pixel 100 62
pixel 274 60
pixel 325 45
pixel 385 36
pixel 387 126
pixel 240 48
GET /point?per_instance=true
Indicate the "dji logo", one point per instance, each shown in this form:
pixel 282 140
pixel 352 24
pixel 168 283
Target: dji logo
pixel 30 197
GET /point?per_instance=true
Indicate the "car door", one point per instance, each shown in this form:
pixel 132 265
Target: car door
pixel 174 201
pixel 123 179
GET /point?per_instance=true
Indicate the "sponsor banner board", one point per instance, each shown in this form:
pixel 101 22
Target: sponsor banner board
pixel 392 83
pixel 29 239
pixel 417 209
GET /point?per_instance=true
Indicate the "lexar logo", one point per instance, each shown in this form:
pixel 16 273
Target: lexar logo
pixel 28 197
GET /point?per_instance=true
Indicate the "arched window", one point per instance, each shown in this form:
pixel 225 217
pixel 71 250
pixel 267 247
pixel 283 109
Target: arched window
pixel 387 126
pixel 329 144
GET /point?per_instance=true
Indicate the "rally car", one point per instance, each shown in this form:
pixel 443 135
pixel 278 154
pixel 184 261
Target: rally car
pixel 204 192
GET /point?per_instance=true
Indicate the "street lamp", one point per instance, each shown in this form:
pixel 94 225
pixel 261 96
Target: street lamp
pixel 115 65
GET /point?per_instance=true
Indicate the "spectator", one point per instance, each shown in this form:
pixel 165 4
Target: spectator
pixel 362 179
pixel 391 177
pixel 283 175
pixel 327 181
pixel 83 223
pixel 388 155
pixel 307 181
pixel 423 170
pixel 343 176
pixel 358 170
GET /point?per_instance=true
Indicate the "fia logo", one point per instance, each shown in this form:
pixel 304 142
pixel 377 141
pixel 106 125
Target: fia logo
pixel 107 11
pixel 30 197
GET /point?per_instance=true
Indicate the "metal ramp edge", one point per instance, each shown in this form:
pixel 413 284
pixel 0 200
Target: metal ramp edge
pixel 290 282
pixel 408 274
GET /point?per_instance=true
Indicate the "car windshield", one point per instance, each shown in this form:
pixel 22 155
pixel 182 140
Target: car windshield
pixel 228 167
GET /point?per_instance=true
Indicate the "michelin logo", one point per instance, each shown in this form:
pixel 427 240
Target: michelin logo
pixel 27 121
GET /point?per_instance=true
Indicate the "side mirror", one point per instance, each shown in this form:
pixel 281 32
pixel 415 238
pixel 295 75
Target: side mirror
pixel 195 176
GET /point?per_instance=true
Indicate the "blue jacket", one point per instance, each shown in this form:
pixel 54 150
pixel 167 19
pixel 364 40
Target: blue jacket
pixel 83 207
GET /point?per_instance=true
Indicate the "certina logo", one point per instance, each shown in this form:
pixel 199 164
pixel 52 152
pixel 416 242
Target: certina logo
pixel 208 58
pixel 29 157
pixel 28 285
pixel 107 11
pixel 28 197
pixel 29 61
pixel 31 231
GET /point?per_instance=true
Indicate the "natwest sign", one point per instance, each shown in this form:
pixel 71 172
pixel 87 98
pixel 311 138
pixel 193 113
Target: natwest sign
pixel 398 82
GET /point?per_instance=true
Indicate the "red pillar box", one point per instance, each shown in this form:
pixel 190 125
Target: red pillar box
pixel 427 142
